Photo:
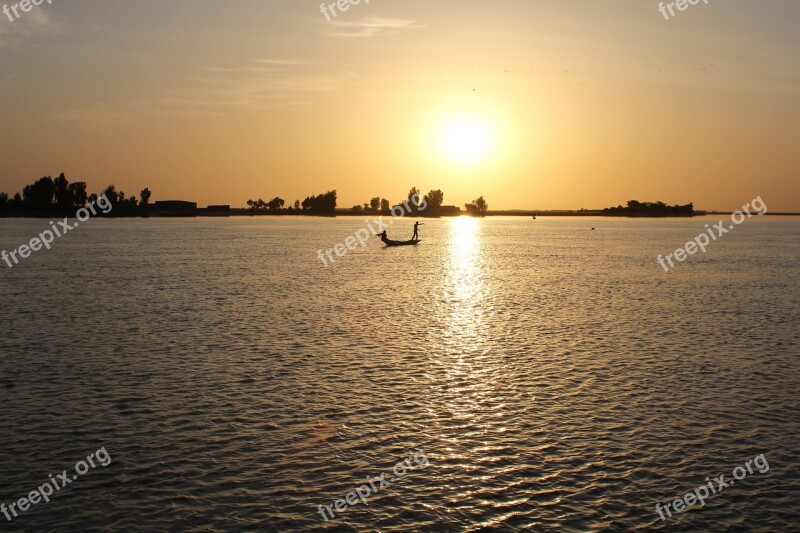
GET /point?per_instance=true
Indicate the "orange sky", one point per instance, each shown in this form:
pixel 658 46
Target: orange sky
pixel 542 105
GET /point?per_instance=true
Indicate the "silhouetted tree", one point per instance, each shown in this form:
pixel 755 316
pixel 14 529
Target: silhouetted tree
pixel 482 206
pixel 47 195
pixel 145 197
pixel 59 196
pixel 77 194
pixel 3 201
pixel 329 202
pixel 413 198
pixel 39 195
pixel 324 203
pixel 276 203
pixel 111 194
pixel 357 208
pixel 385 205
pixel 297 204
pixel 434 199
pixel 375 203
pixel 119 204
pixel 636 208
pixel 62 195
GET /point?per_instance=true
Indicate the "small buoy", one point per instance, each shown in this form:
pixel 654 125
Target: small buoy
pixel 592 229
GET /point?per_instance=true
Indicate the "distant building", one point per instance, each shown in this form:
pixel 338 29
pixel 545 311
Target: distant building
pixel 216 211
pixel 449 211
pixel 441 211
pixel 175 208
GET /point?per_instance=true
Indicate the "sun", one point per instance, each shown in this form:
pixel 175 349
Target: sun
pixel 466 140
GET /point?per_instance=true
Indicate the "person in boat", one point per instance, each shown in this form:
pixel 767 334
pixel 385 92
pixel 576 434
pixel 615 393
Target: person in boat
pixel 382 236
pixel 416 230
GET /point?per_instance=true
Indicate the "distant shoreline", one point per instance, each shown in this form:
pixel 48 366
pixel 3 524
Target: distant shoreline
pixel 243 212
pixel 48 198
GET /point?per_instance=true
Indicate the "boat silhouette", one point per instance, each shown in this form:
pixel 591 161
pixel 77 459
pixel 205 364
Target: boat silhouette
pixel 389 242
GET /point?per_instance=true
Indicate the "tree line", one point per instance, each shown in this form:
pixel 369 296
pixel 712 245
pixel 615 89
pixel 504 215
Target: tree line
pixel 48 196
pixel 327 203
pixel 322 203
pixel 429 204
pixel 636 208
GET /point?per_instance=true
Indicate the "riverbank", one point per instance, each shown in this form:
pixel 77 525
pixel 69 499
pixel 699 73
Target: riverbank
pixel 211 213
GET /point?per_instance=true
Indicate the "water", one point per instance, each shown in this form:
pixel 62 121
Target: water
pixel 555 377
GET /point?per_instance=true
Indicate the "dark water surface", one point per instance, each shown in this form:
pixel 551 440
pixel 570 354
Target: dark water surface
pixel 555 377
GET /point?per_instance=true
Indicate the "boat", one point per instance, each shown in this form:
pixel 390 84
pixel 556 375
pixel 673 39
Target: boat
pixel 390 242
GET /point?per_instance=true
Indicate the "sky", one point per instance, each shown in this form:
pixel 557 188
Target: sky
pixel 560 104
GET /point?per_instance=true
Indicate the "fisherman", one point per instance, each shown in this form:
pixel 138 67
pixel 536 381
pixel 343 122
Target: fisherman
pixel 416 230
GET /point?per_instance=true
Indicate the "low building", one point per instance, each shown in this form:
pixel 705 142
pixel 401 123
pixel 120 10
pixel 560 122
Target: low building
pixel 175 208
pixel 216 211
pixel 449 211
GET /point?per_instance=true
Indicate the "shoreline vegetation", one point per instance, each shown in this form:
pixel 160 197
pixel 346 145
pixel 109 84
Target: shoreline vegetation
pixel 48 197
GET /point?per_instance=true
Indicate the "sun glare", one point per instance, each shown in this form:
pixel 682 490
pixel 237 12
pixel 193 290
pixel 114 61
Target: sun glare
pixel 466 140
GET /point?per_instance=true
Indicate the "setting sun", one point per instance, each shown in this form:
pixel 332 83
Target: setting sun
pixel 466 140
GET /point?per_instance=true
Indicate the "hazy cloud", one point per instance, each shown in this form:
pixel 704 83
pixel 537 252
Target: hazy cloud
pixel 284 61
pixel 372 26
pixel 36 23
pixel 221 92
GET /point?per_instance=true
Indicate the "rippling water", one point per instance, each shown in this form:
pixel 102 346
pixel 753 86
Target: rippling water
pixel 555 377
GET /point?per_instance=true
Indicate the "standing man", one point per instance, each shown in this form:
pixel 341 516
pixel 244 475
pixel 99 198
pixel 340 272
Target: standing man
pixel 416 230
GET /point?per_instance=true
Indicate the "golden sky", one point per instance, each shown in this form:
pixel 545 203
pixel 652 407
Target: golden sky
pixel 532 104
